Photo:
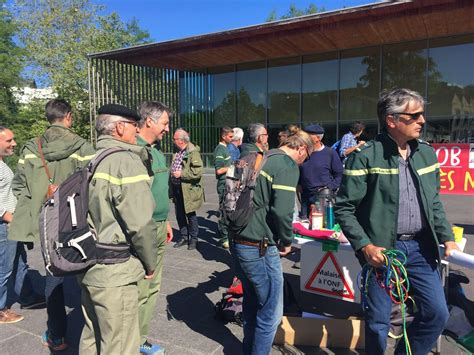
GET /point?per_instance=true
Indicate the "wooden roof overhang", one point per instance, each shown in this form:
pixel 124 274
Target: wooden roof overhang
pixel 362 26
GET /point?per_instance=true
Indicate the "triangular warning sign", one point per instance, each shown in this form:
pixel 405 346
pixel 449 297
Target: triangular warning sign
pixel 328 279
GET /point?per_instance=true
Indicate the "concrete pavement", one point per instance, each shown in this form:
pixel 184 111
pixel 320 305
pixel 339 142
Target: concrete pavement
pixel 192 282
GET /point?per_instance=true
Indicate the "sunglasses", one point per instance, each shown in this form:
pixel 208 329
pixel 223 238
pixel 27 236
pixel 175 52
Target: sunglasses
pixel 414 116
pixel 133 123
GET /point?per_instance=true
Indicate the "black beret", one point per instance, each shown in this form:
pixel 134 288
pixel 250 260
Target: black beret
pixel 314 129
pixel 119 110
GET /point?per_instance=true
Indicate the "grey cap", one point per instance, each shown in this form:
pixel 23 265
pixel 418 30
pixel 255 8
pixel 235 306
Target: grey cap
pixel 314 129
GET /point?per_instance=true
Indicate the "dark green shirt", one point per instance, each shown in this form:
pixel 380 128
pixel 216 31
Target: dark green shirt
pixel 222 159
pixel 248 148
pixel 159 187
pixel 274 201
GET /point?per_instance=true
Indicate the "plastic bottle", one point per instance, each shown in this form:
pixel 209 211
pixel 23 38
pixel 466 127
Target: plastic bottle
pixel 316 216
pixel 329 215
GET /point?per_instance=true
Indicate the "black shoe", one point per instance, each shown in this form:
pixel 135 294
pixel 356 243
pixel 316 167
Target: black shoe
pixel 35 302
pixel 180 243
pixel 192 244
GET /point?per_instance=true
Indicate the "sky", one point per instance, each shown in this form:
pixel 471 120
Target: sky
pixel 174 19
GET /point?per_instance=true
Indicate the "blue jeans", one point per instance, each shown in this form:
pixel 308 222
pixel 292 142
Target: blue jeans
pixel 13 263
pixel 427 290
pixel 262 280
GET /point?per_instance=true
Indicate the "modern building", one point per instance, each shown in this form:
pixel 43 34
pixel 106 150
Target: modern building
pixel 327 68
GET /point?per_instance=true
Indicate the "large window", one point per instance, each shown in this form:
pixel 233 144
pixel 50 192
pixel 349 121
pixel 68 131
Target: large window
pixel 451 90
pixel 284 87
pixel 221 86
pixel 404 66
pixel 359 84
pixel 320 88
pixel 251 93
pixel 336 89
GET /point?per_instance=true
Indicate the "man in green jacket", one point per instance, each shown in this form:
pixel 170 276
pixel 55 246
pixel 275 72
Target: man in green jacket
pixel 222 161
pixel 258 140
pixel 186 190
pixel 389 199
pixel 121 208
pixel 154 124
pixel 63 152
pixel 256 250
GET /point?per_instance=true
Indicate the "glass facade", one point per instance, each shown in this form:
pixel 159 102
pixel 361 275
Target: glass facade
pixel 335 89
pixel 251 93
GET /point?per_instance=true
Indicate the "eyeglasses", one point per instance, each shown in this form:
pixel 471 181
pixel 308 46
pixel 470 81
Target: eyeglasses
pixel 133 123
pixel 414 116
pixel 307 153
pixel 263 134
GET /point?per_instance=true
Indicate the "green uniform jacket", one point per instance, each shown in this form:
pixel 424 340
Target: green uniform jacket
pixel 367 202
pixel 274 201
pixel 159 186
pixel 120 210
pixel 222 159
pixel 248 148
pixel 191 179
pixel 65 152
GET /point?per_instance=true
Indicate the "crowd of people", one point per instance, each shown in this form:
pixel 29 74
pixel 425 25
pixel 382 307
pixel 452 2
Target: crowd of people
pixel 386 195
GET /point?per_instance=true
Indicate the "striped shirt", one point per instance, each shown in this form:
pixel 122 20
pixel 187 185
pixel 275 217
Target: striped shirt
pixel 7 199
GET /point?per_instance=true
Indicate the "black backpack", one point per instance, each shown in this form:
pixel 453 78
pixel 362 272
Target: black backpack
pixel 68 244
pixel 240 182
pixel 229 308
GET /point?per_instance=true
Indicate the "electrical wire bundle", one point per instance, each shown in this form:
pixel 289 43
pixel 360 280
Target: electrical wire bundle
pixel 393 278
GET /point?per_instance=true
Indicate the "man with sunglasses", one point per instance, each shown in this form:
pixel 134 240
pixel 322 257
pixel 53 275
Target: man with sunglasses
pixel 121 208
pixel 389 199
pixel 258 140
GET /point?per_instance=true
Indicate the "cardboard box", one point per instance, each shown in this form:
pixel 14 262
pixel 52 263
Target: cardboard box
pixel 324 333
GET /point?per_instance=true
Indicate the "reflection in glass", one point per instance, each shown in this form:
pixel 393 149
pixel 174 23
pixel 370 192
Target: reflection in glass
pixel 320 88
pixel 451 92
pixel 251 93
pixel 284 83
pixel 193 105
pixel 222 98
pixel 329 133
pixel 370 131
pixel 359 84
pixel 404 66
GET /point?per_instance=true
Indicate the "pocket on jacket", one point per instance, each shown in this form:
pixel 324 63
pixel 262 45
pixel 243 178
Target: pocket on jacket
pixel 195 192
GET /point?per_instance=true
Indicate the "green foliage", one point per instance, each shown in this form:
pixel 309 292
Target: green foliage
pixel 10 65
pixel 57 36
pixel 293 11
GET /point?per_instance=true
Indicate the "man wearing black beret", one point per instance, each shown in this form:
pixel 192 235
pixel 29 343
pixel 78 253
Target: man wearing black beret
pixel 321 174
pixel 121 211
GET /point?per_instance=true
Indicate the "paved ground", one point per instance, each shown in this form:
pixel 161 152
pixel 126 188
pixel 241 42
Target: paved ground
pixel 192 282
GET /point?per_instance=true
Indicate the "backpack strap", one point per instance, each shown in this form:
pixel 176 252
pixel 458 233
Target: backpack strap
pixel 45 166
pixel 94 163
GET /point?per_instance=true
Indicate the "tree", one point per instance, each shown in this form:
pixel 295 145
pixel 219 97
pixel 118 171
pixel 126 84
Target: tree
pixel 57 36
pixel 293 11
pixel 10 67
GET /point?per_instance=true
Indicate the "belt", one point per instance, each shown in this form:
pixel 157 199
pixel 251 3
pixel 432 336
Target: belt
pixel 247 242
pixel 261 245
pixel 409 236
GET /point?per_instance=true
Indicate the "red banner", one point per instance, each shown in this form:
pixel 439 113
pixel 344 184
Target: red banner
pixel 456 168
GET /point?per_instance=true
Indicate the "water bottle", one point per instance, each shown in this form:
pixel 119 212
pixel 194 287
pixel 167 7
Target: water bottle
pixel 316 216
pixel 329 215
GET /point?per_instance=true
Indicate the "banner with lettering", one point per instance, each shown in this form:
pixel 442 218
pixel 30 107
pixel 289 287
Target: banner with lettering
pixel 456 167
